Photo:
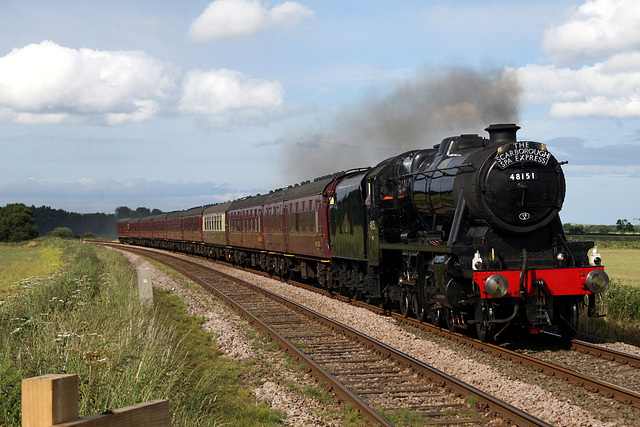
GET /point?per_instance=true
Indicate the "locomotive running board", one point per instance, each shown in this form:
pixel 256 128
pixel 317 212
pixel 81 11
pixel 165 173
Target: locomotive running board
pixel 415 248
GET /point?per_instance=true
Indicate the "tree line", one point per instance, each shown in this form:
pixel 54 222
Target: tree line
pixel 19 222
pixel 622 226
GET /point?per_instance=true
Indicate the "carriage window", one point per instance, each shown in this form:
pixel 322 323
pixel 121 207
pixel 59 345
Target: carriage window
pixel 265 223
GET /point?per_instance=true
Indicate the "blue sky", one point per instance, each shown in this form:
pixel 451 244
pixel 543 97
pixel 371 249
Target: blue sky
pixel 171 105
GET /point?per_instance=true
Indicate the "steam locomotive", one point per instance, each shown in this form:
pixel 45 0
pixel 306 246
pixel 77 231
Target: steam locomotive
pixel 466 234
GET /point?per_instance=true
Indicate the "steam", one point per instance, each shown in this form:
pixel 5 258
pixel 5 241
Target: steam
pixel 416 114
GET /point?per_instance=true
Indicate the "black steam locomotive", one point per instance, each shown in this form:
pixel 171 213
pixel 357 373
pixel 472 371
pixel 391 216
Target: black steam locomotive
pixel 467 233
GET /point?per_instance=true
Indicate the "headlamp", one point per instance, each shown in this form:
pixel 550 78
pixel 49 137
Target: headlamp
pixel 597 281
pixel 497 286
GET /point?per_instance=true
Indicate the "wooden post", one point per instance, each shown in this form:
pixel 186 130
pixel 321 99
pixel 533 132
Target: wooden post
pixel 49 399
pixel 155 413
pixel 52 400
pixel 145 290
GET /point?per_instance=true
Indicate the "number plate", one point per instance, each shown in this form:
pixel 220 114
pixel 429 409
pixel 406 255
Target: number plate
pixel 523 176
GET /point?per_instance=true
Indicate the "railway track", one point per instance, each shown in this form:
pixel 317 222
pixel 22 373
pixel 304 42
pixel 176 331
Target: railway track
pixel 620 357
pixel 604 388
pixel 360 371
pixel 609 390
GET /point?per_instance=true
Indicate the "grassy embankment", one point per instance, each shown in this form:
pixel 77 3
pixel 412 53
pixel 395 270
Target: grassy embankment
pixel 85 319
pixel 621 303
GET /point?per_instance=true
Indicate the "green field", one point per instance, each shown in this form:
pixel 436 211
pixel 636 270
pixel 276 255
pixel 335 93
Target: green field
pixel 622 265
pixel 22 262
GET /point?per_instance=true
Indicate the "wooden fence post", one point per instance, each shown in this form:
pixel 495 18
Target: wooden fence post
pixel 52 400
pixel 49 399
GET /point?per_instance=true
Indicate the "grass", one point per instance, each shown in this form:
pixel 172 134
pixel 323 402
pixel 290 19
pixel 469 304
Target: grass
pixel 20 262
pixel 622 265
pixel 217 391
pixel 611 241
pixel 621 303
pixel 86 319
pixel 253 373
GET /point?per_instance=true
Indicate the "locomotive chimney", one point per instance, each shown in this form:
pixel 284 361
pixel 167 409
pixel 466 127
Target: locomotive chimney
pixel 501 134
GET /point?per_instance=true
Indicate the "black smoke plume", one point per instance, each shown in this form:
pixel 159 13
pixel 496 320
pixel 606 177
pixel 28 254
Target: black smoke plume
pixel 416 114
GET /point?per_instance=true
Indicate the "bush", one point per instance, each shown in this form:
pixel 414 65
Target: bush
pixel 621 305
pixel 16 223
pixel 63 232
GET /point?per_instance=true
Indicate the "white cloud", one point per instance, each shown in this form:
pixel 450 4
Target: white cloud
pixel 597 30
pixel 605 89
pixel 226 97
pixel 48 83
pixel 602 30
pixel 239 18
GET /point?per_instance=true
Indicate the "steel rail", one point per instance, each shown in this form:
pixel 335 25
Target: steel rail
pixel 617 356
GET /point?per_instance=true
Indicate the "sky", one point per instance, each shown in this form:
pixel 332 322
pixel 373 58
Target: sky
pixel 170 105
